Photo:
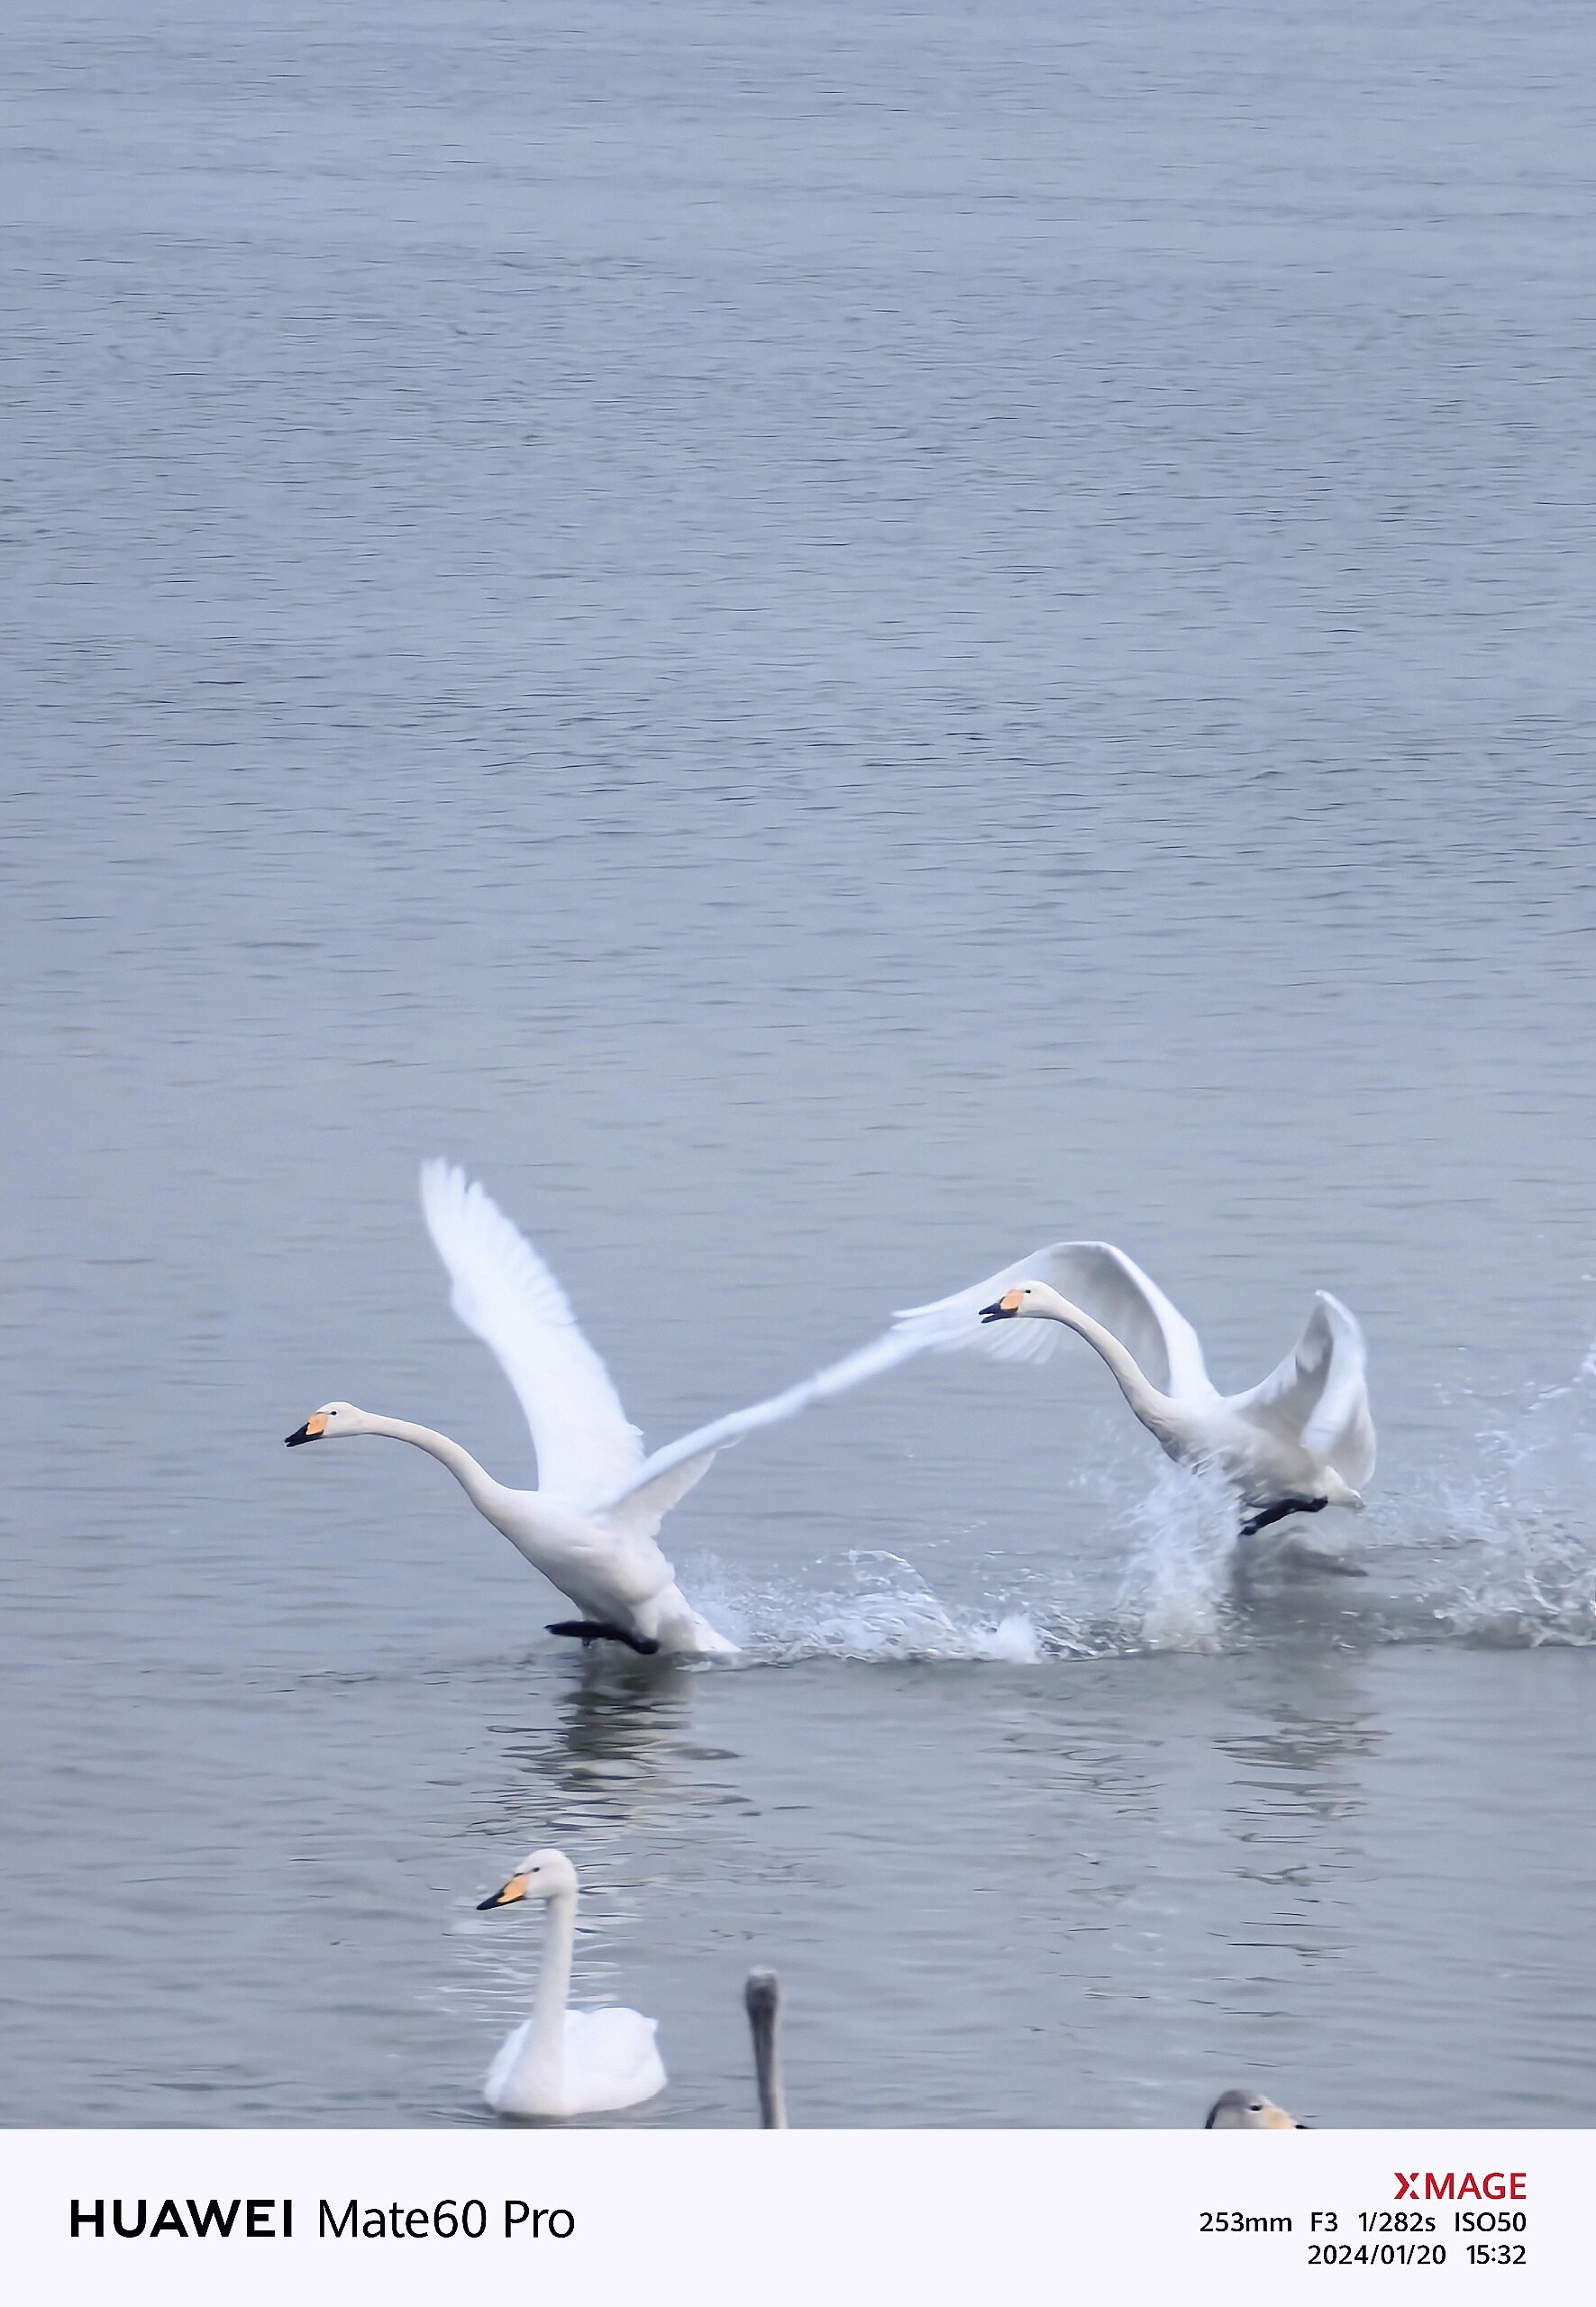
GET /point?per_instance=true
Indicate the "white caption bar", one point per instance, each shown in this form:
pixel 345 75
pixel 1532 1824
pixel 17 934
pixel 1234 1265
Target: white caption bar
pixel 609 2218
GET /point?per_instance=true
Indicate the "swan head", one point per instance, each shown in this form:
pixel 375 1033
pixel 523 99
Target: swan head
pixel 326 1424
pixel 542 1874
pixel 761 1998
pixel 1033 1298
pixel 1249 2111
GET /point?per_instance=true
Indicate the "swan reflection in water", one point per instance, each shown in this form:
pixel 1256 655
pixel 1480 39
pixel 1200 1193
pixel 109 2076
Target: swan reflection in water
pixel 620 1758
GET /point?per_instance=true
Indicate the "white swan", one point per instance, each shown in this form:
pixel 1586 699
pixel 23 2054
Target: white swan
pixel 590 1526
pixel 563 2062
pixel 1301 1440
pixel 761 1999
pixel 1249 2111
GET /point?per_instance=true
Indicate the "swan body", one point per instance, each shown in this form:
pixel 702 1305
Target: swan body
pixel 561 2062
pixel 591 1528
pixel 1299 1440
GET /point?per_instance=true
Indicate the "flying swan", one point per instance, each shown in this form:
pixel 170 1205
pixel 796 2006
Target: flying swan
pixel 564 2062
pixel 1300 1441
pixel 591 1527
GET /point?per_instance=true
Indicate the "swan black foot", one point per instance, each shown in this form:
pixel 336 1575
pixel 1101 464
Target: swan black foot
pixel 588 1631
pixel 1278 1512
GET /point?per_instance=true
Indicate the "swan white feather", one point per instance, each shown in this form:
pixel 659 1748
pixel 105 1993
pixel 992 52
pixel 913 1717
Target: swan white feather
pixel 1320 1392
pixel 884 1352
pixel 1110 1286
pixel 586 1447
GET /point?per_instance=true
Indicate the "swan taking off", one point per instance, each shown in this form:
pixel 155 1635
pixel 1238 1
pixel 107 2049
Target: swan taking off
pixel 761 1999
pixel 563 2062
pixel 1249 2111
pixel 591 1525
pixel 1301 1440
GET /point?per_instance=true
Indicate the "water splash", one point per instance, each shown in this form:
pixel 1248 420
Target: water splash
pixel 1177 1582
pixel 1514 1563
pixel 1502 1551
pixel 886 1611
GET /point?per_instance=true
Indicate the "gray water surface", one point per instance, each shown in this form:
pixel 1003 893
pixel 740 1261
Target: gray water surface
pixel 830 643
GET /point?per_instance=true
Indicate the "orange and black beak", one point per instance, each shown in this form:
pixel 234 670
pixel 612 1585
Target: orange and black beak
pixel 1004 1309
pixel 312 1430
pixel 515 1888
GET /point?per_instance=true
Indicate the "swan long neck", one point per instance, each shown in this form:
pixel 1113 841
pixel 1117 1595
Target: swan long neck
pixel 767 2068
pixel 1156 1411
pixel 545 2041
pixel 479 1487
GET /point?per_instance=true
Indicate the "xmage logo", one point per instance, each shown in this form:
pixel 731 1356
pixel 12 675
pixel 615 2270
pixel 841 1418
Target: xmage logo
pixel 1453 2186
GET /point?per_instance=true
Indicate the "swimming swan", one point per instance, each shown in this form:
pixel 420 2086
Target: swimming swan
pixel 1249 2111
pixel 590 1526
pixel 562 2062
pixel 761 1999
pixel 1300 1441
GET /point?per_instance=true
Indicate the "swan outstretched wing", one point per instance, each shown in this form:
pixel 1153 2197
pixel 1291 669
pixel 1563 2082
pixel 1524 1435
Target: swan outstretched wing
pixel 1319 1394
pixel 1098 1279
pixel 502 1290
pixel 638 1506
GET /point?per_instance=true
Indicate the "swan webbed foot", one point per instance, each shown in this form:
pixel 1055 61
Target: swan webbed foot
pixel 1278 1512
pixel 588 1631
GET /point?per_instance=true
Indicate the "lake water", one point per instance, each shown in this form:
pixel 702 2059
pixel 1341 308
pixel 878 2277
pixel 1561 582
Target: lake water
pixel 830 644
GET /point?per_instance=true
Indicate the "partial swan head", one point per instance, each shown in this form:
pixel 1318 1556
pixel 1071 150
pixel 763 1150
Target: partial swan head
pixel 1249 2111
pixel 331 1420
pixel 542 1874
pixel 1034 1298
